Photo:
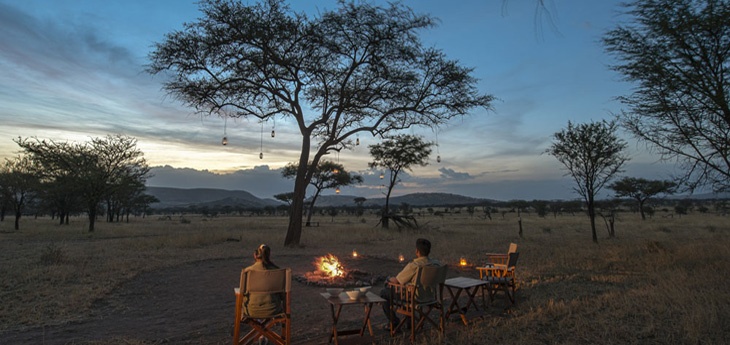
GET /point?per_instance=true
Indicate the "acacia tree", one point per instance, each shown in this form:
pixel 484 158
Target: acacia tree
pixel 19 184
pixel 677 54
pixel 592 154
pixel 397 154
pixel 359 68
pixel 641 189
pixel 327 175
pixel 96 167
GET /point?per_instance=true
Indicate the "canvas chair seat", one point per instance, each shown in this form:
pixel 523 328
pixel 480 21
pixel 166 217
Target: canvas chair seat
pixel 406 303
pixel 255 284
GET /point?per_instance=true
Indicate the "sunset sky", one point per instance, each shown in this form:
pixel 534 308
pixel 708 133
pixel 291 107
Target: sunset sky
pixel 74 69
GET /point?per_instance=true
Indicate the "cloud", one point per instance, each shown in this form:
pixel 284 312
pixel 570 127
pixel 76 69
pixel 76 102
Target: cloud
pixel 453 175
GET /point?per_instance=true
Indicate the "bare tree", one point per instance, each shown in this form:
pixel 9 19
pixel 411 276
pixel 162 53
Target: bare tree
pixel 592 154
pixel 677 54
pixel 359 68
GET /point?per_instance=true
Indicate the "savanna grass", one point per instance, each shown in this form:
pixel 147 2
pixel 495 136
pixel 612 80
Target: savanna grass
pixel 662 280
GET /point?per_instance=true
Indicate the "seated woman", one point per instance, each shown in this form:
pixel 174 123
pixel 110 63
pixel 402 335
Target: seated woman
pixel 258 304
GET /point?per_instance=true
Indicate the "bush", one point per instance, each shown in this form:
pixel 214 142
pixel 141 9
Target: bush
pixel 52 255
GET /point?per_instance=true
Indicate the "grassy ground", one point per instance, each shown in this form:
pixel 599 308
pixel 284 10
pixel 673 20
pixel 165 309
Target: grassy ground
pixel 663 280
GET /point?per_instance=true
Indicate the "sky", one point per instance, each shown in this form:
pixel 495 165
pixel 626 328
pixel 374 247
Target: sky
pixel 71 70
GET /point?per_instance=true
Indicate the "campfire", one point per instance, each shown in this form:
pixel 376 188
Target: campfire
pixel 330 271
pixel 329 266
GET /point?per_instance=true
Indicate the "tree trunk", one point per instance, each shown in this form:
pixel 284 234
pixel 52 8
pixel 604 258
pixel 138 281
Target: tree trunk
pixel 641 209
pixel 311 208
pixel 592 215
pixel 17 220
pixel 92 218
pixel 385 218
pixel 294 231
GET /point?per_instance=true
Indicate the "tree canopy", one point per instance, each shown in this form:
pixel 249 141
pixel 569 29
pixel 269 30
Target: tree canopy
pixel 358 68
pixel 677 53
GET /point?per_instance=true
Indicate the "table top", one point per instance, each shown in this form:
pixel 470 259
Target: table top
pixel 343 299
pixel 464 282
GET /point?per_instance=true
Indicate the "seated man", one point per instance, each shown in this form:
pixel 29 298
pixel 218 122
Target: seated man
pixel 408 275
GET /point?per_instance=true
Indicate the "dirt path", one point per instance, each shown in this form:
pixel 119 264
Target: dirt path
pixel 194 304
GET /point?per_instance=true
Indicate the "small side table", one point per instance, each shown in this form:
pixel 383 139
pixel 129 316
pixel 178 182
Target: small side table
pixel 455 286
pixel 337 302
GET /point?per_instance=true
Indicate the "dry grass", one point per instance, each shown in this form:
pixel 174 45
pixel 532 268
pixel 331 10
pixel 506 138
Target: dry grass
pixel 661 281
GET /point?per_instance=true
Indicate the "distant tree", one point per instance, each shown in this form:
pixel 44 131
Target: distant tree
pixel 332 212
pixel 641 189
pixel 19 184
pixel 405 208
pixel 360 201
pixel 285 197
pixel 327 175
pixel 397 154
pixel 541 207
pixel 592 154
pixel 676 52
pixel 358 68
pixel 96 168
pixel 470 210
pixel 555 208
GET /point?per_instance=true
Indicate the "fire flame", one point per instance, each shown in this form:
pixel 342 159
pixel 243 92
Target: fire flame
pixel 330 266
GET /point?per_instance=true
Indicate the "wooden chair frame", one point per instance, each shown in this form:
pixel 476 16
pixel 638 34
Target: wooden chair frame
pixel 500 278
pixel 263 282
pixel 405 303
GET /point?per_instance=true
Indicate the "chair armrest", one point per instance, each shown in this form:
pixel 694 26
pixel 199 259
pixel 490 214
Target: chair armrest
pixel 493 271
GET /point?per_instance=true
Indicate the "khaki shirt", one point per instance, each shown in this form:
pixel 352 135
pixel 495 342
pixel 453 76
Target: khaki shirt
pixel 261 304
pixel 408 276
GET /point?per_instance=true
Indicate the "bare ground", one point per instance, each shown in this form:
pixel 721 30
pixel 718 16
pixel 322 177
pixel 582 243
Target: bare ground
pixel 194 304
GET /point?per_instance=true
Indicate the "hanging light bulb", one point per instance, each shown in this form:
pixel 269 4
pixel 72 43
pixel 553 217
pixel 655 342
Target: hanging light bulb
pixel 224 142
pixel 337 190
pixel 261 155
pixel 438 159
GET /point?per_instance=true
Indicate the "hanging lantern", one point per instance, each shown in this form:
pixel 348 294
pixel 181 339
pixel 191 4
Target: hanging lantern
pixel 382 176
pixel 357 141
pixel 354 253
pixel 401 258
pixel 438 159
pixel 273 133
pixel 337 190
pixel 261 155
pixel 224 142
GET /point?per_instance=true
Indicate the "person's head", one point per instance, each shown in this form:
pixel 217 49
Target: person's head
pixel 263 254
pixel 423 247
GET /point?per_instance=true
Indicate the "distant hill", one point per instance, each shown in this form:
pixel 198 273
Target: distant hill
pixel 175 197
pixel 415 199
